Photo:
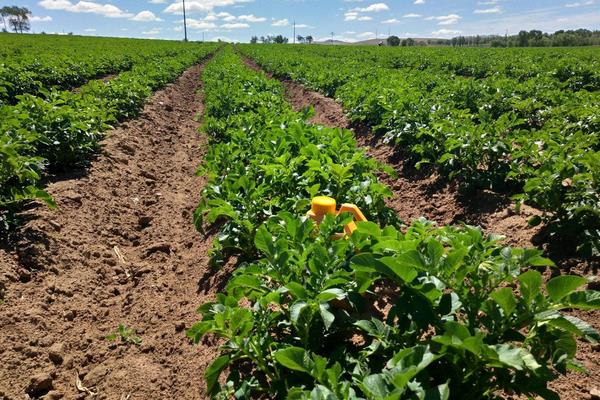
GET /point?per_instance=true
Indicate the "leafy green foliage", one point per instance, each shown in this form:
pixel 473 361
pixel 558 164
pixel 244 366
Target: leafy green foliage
pixel 423 312
pixel 36 63
pixel 265 158
pixel 62 128
pixel 310 315
pixel 529 127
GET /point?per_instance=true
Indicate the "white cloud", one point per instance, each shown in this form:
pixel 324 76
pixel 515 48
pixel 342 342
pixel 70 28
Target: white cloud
pixel 157 1
pixel 193 6
pixel 145 16
pixel 107 10
pixel 225 16
pixel 200 25
pixel 251 18
pixel 154 31
pixel 391 21
pixel 365 35
pixel 280 22
pixel 445 19
pixel 492 10
pixel 304 26
pixel 354 16
pixel 580 4
pixel 236 25
pixel 40 19
pixel 377 7
pixel 55 4
pixel 445 32
pixel 419 2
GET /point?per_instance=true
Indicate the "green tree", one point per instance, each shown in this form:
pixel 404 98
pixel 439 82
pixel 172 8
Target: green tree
pixel 254 39
pixel 18 18
pixel 393 41
pixel 309 39
pixel 279 39
pixel 523 39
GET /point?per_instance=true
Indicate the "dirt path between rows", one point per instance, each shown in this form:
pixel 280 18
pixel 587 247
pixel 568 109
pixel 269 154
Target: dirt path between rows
pixel 424 193
pixel 121 249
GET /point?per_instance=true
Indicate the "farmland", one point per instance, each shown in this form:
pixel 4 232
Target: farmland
pixel 530 129
pixel 47 127
pixel 156 243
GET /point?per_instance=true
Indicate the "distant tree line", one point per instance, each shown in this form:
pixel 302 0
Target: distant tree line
pixel 279 39
pixel 17 17
pixel 305 39
pixel 533 38
pixel 396 41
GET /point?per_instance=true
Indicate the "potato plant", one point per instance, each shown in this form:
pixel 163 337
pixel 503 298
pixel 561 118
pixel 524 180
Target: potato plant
pixel 418 312
pixel 529 129
pixel 265 158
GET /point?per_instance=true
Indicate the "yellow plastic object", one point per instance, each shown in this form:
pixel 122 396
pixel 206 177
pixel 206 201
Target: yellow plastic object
pixel 323 205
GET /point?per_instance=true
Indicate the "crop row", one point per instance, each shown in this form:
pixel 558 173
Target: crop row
pixel 39 64
pixel 533 135
pixel 574 68
pixel 61 130
pixel 418 312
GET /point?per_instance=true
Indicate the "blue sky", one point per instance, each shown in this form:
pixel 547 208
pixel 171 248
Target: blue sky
pixel 350 20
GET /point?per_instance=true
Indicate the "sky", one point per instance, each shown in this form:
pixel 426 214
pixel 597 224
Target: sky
pixel 349 20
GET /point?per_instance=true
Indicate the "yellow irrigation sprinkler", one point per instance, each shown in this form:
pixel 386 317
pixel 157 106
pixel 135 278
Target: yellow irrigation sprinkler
pixel 323 205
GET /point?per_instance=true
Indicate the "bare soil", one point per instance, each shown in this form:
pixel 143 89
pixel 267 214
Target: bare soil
pixel 121 249
pixel 425 194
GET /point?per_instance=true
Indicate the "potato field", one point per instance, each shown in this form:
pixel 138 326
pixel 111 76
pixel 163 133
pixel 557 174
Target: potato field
pixel 156 240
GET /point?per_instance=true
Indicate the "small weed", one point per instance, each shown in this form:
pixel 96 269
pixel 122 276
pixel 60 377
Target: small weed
pixel 127 335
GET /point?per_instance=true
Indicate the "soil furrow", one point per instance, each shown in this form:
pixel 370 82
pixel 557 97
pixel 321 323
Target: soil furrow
pixel 121 249
pixel 425 194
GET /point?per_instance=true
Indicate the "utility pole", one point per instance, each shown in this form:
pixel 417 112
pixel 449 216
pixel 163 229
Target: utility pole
pixel 294 32
pixel 332 37
pixel 184 24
